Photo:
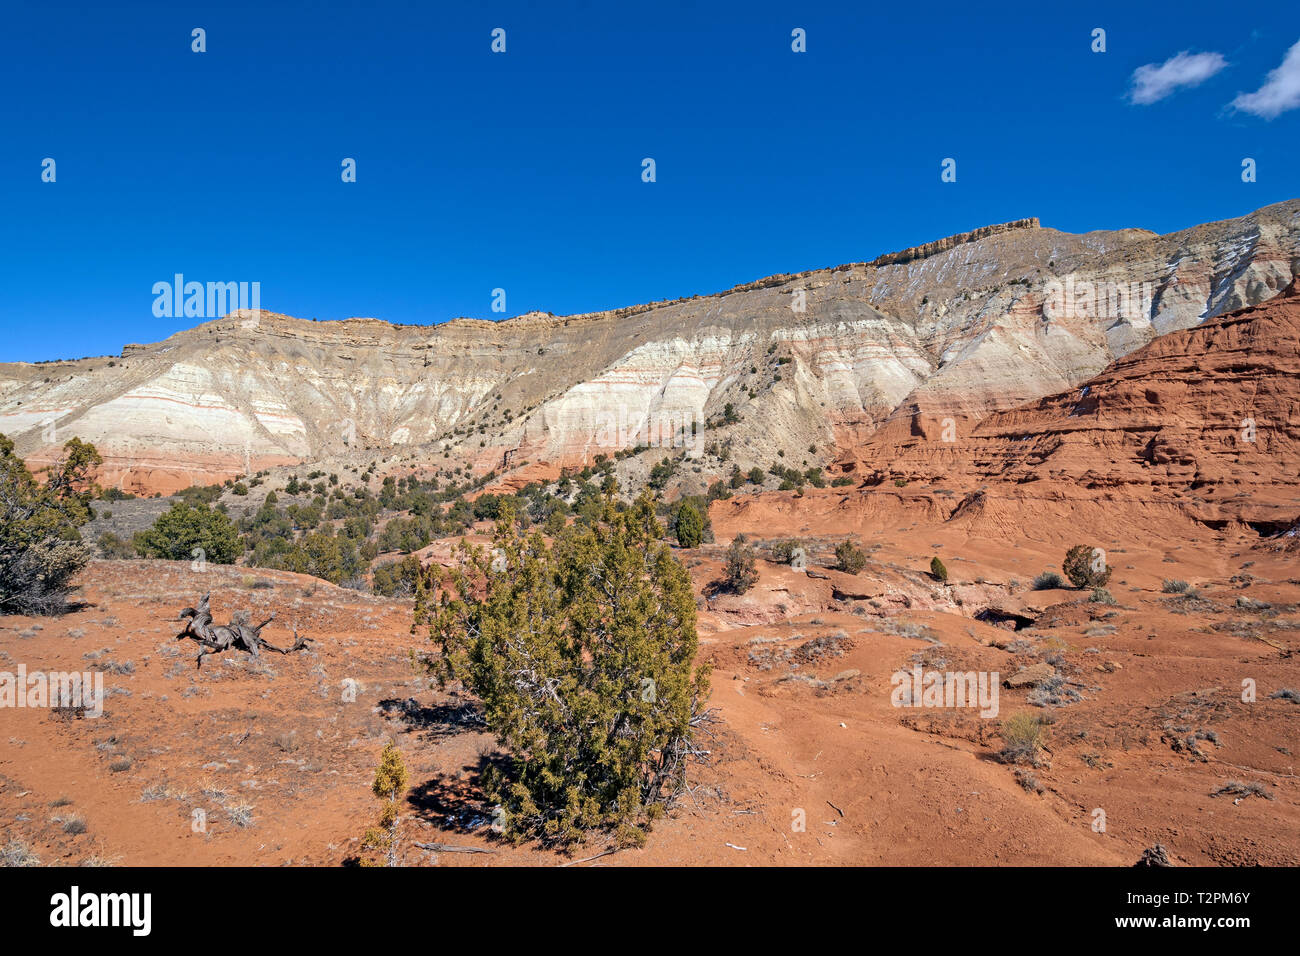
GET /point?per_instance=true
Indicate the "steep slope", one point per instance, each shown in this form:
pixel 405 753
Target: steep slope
pixel 1207 418
pixel 954 329
pixel 1212 413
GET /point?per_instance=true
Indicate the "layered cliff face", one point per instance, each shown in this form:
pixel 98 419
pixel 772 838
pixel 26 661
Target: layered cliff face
pixel 1210 415
pixel 1202 422
pixel 938 336
pixel 1085 310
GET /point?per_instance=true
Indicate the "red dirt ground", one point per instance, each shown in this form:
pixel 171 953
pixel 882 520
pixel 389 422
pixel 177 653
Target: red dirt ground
pixel 805 726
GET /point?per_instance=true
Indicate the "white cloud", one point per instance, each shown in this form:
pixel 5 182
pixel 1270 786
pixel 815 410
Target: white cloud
pixel 1152 83
pixel 1280 92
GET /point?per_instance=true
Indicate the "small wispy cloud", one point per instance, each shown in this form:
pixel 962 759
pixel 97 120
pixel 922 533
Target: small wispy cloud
pixel 1280 92
pixel 1153 82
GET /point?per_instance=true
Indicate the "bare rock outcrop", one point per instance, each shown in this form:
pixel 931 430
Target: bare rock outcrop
pixel 858 361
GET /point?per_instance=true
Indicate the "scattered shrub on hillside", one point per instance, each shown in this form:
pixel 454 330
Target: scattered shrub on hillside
pixel 240 814
pixel 1022 739
pixel 739 572
pixel 1047 581
pixel 937 570
pixel 1175 587
pixel 334 558
pixel 114 546
pixel 582 651
pixel 555 523
pixel 190 531
pixel 1101 596
pixel 18 853
pixel 690 526
pixel 849 558
pixel 783 552
pixel 388 787
pixel 40 545
pixel 397 578
pixel 661 473
pixel 1085 566
pixel 200 494
pixel 718 491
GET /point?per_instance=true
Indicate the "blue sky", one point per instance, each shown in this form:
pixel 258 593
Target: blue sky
pixel 522 170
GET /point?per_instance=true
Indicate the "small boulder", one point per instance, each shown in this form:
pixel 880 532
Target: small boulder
pixel 1030 676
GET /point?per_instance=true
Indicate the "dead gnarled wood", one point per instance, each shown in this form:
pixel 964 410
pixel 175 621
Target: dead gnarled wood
pixel 238 635
pixel 452 848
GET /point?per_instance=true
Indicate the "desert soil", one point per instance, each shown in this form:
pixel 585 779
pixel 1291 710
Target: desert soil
pixel 280 762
